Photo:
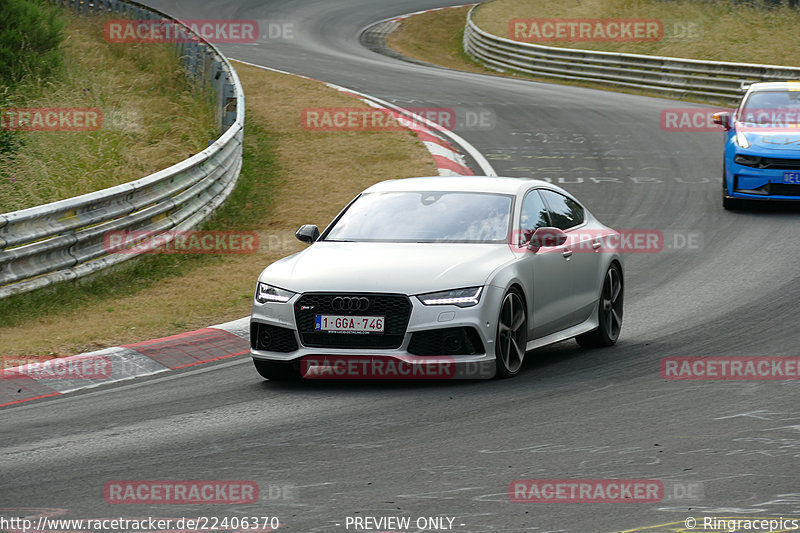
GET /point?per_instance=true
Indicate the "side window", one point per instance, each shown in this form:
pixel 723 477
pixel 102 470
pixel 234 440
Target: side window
pixel 534 215
pixel 565 213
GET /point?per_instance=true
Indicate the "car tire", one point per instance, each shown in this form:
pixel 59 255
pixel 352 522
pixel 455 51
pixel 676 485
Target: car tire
pixel 277 371
pixel 512 335
pixel 732 204
pixel 609 312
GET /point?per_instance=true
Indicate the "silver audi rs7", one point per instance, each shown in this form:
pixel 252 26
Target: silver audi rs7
pixel 462 275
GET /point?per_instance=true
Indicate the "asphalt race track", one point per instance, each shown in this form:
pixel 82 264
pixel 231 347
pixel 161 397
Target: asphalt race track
pixel 322 452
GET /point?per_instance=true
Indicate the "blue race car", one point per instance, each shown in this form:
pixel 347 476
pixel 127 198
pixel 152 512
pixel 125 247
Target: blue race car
pixel 762 145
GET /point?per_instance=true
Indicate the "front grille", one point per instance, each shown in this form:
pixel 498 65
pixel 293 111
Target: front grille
pixel 446 341
pixel 396 308
pixel 272 338
pixel 779 164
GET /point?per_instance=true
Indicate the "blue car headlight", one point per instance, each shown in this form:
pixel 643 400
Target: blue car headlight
pixel 461 297
pixel 267 293
pixel 741 139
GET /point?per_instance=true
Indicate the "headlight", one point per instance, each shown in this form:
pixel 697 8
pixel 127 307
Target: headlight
pixel 747 160
pixel 460 297
pixel 741 140
pixel 267 293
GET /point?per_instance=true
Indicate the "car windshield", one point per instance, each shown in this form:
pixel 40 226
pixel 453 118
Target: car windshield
pixel 425 217
pixel 774 108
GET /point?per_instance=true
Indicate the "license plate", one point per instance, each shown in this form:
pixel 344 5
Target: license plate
pixel 349 324
pixel 791 177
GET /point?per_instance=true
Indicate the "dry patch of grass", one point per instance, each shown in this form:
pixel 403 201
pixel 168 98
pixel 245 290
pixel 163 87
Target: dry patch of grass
pixel 151 118
pixel 324 170
pixel 721 30
pixel 435 37
pixel 290 176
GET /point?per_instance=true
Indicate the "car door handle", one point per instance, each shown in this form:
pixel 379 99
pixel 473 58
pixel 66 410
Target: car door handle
pixel 596 244
pixel 567 253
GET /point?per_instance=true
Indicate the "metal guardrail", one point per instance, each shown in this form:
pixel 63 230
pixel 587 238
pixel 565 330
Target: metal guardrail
pixel 64 240
pixel 714 80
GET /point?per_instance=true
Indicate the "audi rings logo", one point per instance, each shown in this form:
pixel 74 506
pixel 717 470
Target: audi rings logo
pixel 350 303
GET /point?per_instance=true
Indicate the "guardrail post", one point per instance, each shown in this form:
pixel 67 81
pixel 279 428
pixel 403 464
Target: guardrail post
pixel 218 85
pixel 198 55
pixel 230 106
pixel 191 60
pixel 208 68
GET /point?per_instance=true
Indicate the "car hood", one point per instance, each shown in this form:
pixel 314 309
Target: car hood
pixel 410 268
pixel 773 139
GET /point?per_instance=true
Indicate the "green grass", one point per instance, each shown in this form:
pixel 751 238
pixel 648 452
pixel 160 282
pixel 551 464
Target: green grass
pixel 31 38
pixel 31 41
pixel 152 117
pixel 254 190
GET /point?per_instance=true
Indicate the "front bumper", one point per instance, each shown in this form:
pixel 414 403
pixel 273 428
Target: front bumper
pixel 415 355
pixel 759 183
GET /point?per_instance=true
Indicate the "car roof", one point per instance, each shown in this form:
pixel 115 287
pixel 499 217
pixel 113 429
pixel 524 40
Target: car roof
pixel 488 184
pixel 775 86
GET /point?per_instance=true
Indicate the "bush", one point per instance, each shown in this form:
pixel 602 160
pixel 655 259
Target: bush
pixel 9 141
pixel 30 40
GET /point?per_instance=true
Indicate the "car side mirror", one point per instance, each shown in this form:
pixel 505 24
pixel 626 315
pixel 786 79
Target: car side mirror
pixel 722 118
pixel 546 238
pixel 308 233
